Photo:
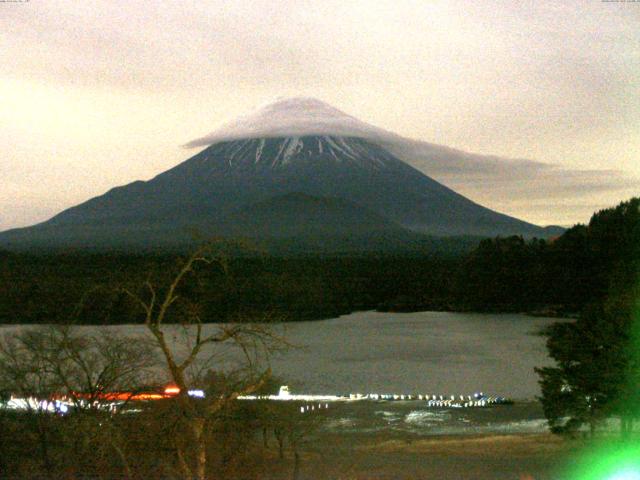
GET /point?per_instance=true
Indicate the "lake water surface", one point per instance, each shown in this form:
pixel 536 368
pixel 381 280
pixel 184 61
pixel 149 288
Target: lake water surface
pixel 428 353
pixel 414 353
pixel 425 352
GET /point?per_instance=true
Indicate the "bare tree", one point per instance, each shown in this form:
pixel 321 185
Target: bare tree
pixel 196 352
pixel 85 365
pixel 80 366
pixel 41 366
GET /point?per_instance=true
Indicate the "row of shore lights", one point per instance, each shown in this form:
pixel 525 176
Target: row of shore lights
pixel 310 408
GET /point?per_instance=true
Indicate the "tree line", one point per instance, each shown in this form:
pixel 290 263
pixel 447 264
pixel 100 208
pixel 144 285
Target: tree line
pixel 88 288
pixel 560 277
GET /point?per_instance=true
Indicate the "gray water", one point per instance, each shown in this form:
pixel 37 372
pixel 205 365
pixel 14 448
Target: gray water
pixel 425 352
pixel 414 353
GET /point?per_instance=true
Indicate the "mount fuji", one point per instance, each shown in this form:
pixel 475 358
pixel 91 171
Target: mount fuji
pixel 294 168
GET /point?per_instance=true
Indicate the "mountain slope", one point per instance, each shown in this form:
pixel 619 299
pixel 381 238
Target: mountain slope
pixel 216 191
pixel 303 216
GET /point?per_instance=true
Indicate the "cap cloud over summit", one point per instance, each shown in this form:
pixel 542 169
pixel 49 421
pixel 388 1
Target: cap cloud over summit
pixel 296 116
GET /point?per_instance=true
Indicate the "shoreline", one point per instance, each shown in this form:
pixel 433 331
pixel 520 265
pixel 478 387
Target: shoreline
pixel 523 456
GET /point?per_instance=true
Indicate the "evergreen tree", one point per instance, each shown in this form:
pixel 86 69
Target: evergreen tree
pixel 597 372
pixel 592 361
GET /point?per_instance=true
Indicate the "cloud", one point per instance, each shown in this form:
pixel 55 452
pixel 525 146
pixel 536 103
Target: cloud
pixel 296 116
pixel 523 188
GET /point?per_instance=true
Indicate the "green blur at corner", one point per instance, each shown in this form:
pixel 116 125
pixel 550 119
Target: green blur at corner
pixel 616 458
pixel 613 460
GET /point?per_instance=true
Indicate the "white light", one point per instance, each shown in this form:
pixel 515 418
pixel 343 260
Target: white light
pixel 626 475
pixel 196 393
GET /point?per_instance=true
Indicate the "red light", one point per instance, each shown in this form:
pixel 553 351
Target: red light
pixel 172 390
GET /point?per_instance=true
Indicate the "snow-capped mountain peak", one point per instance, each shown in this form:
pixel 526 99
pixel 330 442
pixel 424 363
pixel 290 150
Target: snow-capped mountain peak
pixel 293 117
pixel 313 152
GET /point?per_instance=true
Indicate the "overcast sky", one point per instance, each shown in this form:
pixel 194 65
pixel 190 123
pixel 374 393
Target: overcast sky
pixel 98 94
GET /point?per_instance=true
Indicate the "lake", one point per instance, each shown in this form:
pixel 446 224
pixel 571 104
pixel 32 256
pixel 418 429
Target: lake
pixel 422 353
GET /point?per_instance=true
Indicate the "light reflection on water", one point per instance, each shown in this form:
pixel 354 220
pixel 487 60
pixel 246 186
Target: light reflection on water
pixel 413 418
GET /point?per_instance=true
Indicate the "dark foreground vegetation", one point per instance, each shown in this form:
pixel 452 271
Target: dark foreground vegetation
pixel 550 277
pixel 244 440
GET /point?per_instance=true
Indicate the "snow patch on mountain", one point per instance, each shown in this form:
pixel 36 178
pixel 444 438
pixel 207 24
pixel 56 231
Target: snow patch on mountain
pixel 294 117
pixel 298 152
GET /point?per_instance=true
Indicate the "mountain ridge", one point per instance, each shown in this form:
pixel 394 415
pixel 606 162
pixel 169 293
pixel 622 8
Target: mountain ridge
pixel 208 189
